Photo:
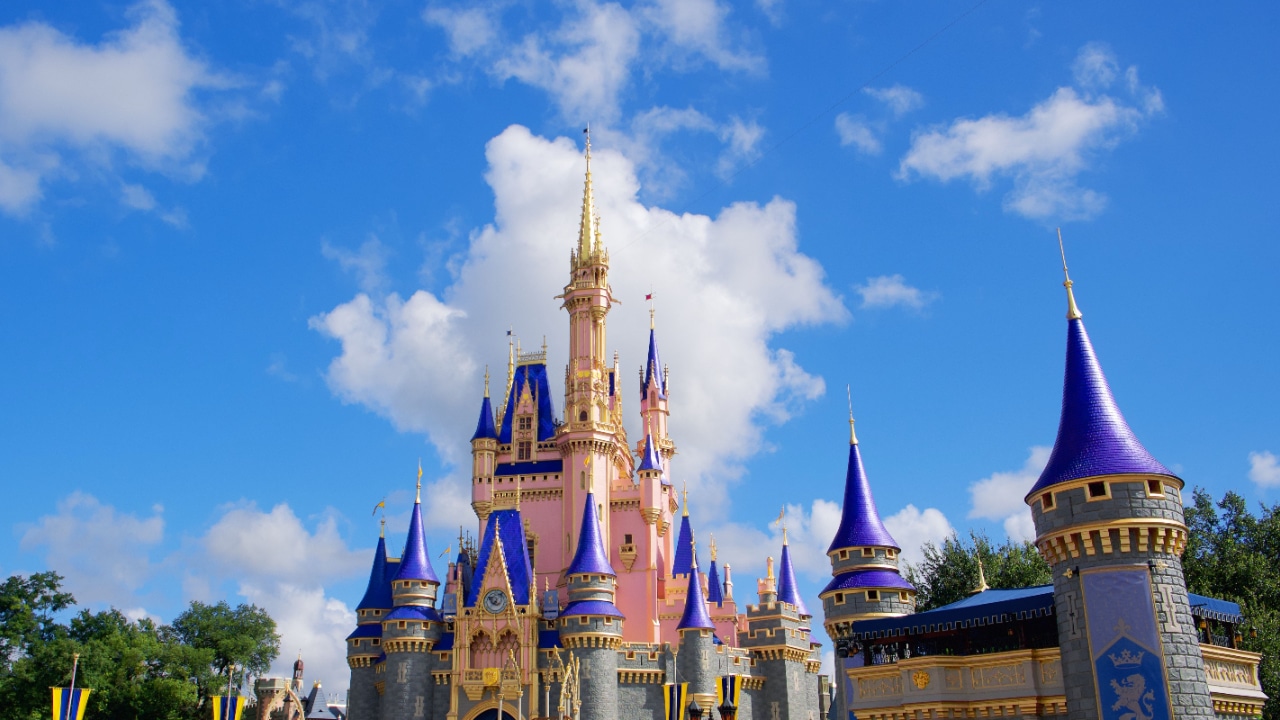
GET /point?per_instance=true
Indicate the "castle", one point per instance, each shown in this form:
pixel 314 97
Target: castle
pixel 584 596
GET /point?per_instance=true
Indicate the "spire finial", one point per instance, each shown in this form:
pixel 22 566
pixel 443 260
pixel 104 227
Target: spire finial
pixel 693 545
pixel 853 437
pixel 588 230
pixel 418 496
pixel 982 579
pixel 1073 312
pixel 486 381
pixel 382 531
pixel 685 495
pixel 713 548
pixel 768 565
pixel 782 523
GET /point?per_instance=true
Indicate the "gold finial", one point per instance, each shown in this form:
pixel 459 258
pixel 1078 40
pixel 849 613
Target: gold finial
pixel 768 564
pixel 486 381
pixel 650 317
pixel 982 579
pixel 382 532
pixel 417 498
pixel 782 523
pixel 685 505
pixel 853 437
pixel 1073 312
pixel 713 548
pixel 587 232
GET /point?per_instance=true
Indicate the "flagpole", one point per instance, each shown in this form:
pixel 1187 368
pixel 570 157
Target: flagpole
pixel 71 696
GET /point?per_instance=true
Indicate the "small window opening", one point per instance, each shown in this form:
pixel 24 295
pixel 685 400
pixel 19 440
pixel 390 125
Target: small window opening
pixel 1097 489
pixel 1046 501
pixel 627 538
pixel 873 595
pixel 868 552
pixel 1154 487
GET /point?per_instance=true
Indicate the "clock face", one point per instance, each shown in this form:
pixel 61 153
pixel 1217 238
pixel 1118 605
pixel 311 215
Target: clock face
pixel 495 601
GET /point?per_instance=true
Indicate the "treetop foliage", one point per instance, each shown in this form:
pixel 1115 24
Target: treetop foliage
pixel 950 573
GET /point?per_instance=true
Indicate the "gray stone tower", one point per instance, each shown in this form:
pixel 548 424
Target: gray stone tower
pixel 865 581
pixel 696 661
pixel 365 644
pixel 412 628
pixel 591 625
pixel 778 638
pixel 1108 518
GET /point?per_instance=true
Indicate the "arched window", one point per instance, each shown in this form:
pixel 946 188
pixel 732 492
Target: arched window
pixel 482 650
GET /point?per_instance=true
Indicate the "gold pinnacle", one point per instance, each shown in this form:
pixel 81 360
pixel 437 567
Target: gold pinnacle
pixel 1073 312
pixel 853 437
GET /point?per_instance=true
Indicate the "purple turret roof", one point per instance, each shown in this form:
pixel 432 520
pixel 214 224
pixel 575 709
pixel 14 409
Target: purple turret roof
pixel 860 523
pixel 715 591
pixel 485 429
pixel 378 594
pixel 650 459
pixel 653 370
pixel 874 578
pixel 590 557
pixel 415 564
pixel 1093 437
pixel 695 605
pixel 788 592
pixel 533 376
pixel 684 560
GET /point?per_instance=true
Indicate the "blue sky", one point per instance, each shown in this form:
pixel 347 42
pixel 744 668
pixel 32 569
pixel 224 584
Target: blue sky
pixel 256 256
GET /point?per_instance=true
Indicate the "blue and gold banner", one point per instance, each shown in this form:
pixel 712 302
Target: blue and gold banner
pixel 675 697
pixel 69 704
pixel 1124 644
pixel 728 689
pixel 228 707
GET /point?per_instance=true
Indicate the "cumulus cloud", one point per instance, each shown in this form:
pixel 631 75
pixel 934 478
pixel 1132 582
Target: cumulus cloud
pixel 104 554
pixel 1045 150
pixel 63 102
pixel 854 130
pixel 469 30
pixel 1264 469
pixel 900 99
pixel 999 496
pixel 886 291
pixel 742 270
pixel 698 27
pixel 913 527
pixel 368 264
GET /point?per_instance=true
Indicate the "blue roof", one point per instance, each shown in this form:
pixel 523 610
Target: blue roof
pixel 985 608
pixel 715 591
pixel 788 592
pixel 412 612
pixel 485 429
pixel 591 607
pixel 378 594
pixel 650 459
pixel 684 559
pixel 444 644
pixel 858 579
pixel 653 370
pixel 508 525
pixel 1214 609
pixel 548 639
pixel 591 556
pixel 536 375
pixel 367 630
pixel 415 564
pixel 695 606
pixel 860 523
pixel 1093 437
pixel 539 467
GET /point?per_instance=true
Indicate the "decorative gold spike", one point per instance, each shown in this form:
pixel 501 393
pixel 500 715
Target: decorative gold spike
pixel 713 548
pixel 685 494
pixel 486 381
pixel 1073 312
pixel 853 437
pixel 982 579
pixel 382 532
pixel 587 231
pixel 417 498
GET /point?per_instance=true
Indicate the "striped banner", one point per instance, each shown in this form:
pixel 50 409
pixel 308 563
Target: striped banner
pixel 69 704
pixel 676 697
pixel 728 690
pixel 228 707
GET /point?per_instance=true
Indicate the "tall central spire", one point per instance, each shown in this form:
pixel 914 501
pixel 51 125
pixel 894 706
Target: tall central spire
pixel 588 232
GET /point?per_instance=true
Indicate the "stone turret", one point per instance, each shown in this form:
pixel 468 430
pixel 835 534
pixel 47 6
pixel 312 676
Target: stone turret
pixel 697 662
pixel 590 625
pixel 412 628
pixel 364 645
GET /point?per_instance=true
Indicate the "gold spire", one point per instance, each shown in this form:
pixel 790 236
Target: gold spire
pixel 650 317
pixel 768 564
pixel 853 437
pixel 982 579
pixel 417 498
pixel 684 512
pixel 713 548
pixel 486 381
pixel 782 523
pixel 1073 312
pixel 382 532
pixel 587 231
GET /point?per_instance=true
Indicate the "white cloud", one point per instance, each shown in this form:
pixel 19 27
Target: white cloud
pixel 742 138
pixel 886 291
pixel 697 26
pixel 1043 151
pixel 62 100
pixel 368 264
pixel 103 554
pixel 1095 67
pixel 1264 469
pixel 1000 495
pixel 912 528
pixel 854 130
pixel 742 271
pixel 900 99
pixel 470 30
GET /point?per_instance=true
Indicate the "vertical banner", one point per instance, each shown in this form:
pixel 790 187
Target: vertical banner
pixel 728 689
pixel 675 699
pixel 228 707
pixel 69 704
pixel 1124 644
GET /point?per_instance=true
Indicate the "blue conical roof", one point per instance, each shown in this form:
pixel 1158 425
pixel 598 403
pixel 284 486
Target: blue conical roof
pixel 788 592
pixel 1093 437
pixel 650 459
pixel 591 556
pixel 485 429
pixel 860 523
pixel 653 370
pixel 695 605
pixel 415 564
pixel 684 560
pixel 715 591
pixel 378 594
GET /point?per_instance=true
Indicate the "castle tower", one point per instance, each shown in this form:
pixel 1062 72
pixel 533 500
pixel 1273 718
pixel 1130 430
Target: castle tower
pixel 865 580
pixel 591 626
pixel 412 628
pixel 653 397
pixel 591 440
pixel 1109 520
pixel 696 661
pixel 777 635
pixel 298 669
pixel 362 652
pixel 484 449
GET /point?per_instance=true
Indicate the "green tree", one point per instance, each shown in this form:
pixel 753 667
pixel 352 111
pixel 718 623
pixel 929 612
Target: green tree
pixel 27 607
pixel 950 572
pixel 1234 555
pixel 243 638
